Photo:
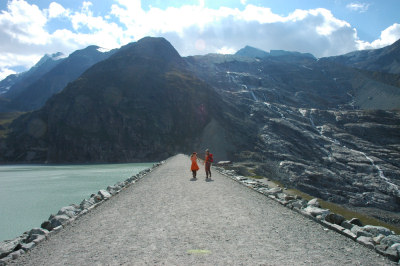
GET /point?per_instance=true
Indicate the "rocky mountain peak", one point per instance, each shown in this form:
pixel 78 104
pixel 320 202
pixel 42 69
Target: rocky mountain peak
pixel 249 51
pixel 150 47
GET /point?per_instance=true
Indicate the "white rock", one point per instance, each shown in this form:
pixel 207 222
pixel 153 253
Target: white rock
pixel 104 194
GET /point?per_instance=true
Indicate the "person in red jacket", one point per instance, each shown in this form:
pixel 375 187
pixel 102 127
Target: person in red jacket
pixel 208 160
pixel 194 167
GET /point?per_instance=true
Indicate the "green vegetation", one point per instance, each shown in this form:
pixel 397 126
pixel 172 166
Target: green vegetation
pixel 335 208
pixel 5 121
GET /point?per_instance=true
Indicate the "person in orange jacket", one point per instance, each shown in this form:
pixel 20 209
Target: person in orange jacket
pixel 194 167
pixel 209 159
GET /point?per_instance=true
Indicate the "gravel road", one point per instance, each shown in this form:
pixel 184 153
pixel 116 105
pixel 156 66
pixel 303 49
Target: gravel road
pixel 168 219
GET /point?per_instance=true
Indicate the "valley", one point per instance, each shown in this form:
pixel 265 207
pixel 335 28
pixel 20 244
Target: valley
pixel 329 127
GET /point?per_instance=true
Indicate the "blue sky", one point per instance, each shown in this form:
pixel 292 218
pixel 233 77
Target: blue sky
pixel 31 28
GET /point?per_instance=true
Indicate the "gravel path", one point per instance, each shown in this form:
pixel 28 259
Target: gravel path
pixel 166 219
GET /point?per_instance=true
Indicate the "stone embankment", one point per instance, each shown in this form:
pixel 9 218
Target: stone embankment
pixel 12 249
pixel 168 218
pixel 378 238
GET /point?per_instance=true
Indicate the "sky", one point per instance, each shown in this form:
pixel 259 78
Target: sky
pixel 30 29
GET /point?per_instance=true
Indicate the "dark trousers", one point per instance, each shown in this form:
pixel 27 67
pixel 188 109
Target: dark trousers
pixel 208 169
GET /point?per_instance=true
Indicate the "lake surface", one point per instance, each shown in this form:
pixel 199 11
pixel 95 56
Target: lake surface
pixel 30 193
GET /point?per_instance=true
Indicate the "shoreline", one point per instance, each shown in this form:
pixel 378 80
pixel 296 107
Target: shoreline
pixel 11 249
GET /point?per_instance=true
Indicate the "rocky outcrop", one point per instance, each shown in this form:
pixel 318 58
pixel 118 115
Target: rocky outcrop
pixel 378 238
pixel 140 104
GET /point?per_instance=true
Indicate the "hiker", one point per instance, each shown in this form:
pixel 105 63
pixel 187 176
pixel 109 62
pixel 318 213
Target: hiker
pixel 209 159
pixel 194 167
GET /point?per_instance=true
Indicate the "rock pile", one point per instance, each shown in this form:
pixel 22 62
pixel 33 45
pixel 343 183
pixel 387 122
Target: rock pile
pixel 378 238
pixel 12 249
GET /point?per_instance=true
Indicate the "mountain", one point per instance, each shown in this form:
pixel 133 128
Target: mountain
pixel 140 104
pixel 280 55
pixel 249 51
pixel 321 126
pixel 385 59
pixel 15 83
pixel 33 95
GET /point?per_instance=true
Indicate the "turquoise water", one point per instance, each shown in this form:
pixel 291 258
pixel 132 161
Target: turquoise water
pixel 30 193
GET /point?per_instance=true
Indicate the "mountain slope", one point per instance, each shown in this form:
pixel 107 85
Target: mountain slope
pixel 36 94
pixel 385 59
pixel 16 83
pixel 139 104
pixel 317 127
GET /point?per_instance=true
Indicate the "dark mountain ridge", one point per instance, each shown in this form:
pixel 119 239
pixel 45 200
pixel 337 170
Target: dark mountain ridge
pixel 385 59
pixel 139 104
pixel 36 94
pixel 13 84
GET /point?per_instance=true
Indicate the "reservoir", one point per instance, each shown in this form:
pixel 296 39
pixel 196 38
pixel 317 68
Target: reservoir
pixel 30 193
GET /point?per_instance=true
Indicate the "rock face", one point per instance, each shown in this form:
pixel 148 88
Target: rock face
pixel 316 132
pixel 31 92
pixel 14 84
pixel 384 59
pixel 140 104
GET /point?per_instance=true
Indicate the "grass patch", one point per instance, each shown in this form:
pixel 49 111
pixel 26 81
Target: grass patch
pixel 5 121
pixel 336 208
pixel 346 213
pixel 256 177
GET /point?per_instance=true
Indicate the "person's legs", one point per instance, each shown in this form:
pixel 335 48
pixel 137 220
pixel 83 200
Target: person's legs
pixel 208 172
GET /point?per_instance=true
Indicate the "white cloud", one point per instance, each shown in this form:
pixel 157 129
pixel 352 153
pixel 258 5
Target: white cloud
pixel 4 72
pixel 226 50
pixel 192 29
pixel 388 36
pixel 359 7
pixel 23 24
pixel 24 38
pixel 56 10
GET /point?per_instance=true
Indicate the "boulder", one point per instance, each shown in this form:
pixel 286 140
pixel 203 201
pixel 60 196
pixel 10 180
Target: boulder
pixel 377 230
pixel 359 231
pixel 274 191
pixel 38 231
pixel 27 246
pixel 8 246
pixel 314 202
pixel 223 163
pixel 87 203
pixel 58 220
pixel 240 178
pixel 39 238
pixel 334 218
pixel 104 194
pixel 366 241
pixel 378 239
pixel 46 225
pixel 390 240
pixel 347 225
pixel 392 252
pixel 70 211
pixel 299 204
pixel 35 234
pixel 315 211
pixel 96 198
pixel 113 189
pixel 356 221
